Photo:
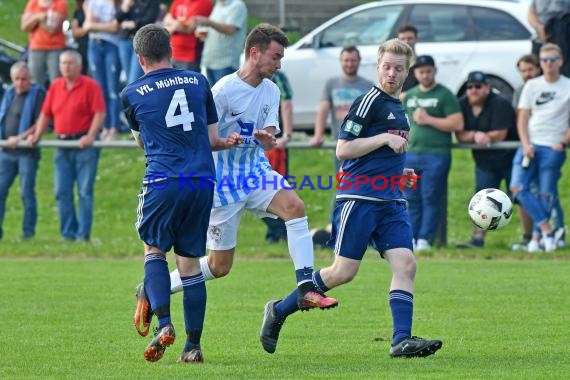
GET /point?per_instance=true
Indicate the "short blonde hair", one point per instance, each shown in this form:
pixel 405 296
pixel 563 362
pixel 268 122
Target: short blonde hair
pixel 550 47
pixel 395 46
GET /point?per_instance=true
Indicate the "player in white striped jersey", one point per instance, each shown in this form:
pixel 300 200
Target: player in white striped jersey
pixel 247 102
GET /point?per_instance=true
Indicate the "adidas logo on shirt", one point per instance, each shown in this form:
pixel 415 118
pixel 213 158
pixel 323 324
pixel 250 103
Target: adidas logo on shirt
pixel 391 116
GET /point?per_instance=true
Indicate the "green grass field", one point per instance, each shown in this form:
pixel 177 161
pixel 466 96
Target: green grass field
pixel 68 306
pixel 498 319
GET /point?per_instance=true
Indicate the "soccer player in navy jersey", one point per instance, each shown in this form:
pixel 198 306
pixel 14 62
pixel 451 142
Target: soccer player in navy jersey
pixel 372 144
pixel 173 118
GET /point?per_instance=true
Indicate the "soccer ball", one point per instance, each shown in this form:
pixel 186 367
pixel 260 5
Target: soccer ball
pixel 490 209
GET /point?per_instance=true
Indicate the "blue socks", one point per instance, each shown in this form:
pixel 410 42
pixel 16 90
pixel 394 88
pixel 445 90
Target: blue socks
pixel 402 306
pixel 194 302
pixel 157 286
pixel 289 304
pixel 318 281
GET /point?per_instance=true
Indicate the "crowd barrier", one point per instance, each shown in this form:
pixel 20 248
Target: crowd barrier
pixel 441 235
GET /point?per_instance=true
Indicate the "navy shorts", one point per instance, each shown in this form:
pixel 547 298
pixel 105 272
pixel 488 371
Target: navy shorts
pixel 357 224
pixel 175 215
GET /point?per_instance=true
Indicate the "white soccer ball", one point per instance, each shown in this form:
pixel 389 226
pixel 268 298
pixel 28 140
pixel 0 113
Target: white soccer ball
pixel 490 209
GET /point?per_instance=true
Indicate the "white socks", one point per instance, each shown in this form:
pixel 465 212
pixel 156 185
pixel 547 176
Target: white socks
pixel 300 243
pixel 176 283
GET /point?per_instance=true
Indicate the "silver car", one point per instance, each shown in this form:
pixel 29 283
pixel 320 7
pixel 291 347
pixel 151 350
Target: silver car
pixel 461 35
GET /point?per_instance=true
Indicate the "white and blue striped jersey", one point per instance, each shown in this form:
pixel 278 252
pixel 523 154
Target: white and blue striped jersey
pixel 242 109
pixel 371 114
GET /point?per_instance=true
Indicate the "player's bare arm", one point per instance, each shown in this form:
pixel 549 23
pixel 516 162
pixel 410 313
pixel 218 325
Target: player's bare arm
pixel 218 143
pixel 266 138
pixel 350 149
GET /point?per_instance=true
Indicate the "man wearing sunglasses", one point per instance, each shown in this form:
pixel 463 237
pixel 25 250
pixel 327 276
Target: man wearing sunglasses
pixel 543 126
pixel 488 118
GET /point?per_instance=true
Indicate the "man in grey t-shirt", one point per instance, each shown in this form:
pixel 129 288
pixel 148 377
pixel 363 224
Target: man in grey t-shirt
pixel 338 95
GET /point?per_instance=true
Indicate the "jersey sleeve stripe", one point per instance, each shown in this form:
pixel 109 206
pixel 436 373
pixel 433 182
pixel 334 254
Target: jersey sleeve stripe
pixel 366 102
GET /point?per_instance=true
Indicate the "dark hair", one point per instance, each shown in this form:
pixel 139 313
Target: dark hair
pixel 351 49
pixel 153 43
pixel 408 28
pixel 529 58
pixel 262 35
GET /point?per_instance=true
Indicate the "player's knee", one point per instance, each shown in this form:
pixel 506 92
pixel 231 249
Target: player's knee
pixel 219 270
pixel 295 209
pixel 405 267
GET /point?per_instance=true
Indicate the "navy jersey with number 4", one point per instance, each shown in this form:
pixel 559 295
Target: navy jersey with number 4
pixel 171 109
pixel 371 114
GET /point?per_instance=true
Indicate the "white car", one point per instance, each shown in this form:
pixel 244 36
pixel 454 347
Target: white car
pixel 461 35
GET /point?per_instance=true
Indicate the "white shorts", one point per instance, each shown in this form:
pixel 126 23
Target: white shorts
pixel 224 220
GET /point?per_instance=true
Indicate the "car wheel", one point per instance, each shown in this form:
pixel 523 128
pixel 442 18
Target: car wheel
pixel 500 87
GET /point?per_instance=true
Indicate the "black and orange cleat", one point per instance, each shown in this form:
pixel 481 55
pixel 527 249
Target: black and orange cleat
pixel 194 356
pixel 143 312
pixel 163 338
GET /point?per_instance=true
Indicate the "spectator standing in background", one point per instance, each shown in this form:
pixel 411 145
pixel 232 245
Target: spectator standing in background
pixel 226 29
pixel 434 114
pixel 131 16
pixel 80 34
pixel 19 110
pixel 76 105
pixel 543 126
pixel 181 23
pixel 43 20
pixel 488 118
pixel 337 97
pixel 409 34
pixel 551 20
pixel 103 52
pixel 529 67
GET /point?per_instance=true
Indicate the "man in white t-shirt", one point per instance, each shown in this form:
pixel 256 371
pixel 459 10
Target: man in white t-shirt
pixel 543 126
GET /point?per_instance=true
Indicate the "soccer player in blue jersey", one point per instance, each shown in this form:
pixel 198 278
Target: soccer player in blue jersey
pixel 247 103
pixel 372 144
pixel 173 118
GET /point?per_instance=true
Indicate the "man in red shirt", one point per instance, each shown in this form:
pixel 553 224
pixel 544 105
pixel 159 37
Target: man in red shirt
pixel 180 23
pixel 75 103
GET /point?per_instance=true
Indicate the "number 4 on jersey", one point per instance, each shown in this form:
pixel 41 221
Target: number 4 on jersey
pixel 184 117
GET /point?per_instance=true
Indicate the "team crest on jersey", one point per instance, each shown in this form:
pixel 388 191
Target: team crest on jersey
pixel 214 233
pixel 265 111
pixel 352 127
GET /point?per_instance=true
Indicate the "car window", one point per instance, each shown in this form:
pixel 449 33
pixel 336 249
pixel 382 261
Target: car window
pixel 441 23
pixel 369 27
pixel 496 25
